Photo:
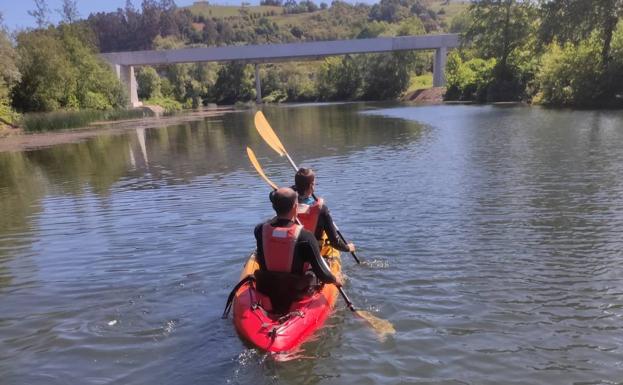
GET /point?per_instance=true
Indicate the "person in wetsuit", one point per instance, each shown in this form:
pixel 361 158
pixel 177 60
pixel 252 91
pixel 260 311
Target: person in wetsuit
pixel 314 213
pixel 288 254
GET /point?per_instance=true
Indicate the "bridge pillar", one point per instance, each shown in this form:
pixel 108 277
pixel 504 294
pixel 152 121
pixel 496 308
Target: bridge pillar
pixel 439 67
pixel 258 85
pixel 126 75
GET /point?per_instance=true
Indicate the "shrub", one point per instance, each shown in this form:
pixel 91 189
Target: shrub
pixel 277 96
pixel 170 105
pixel 60 120
pixel 570 74
pixel 468 80
pixel 149 83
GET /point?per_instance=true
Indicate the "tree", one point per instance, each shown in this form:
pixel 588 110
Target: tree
pixel 69 11
pixel 149 83
pixel 575 20
pixel 392 10
pixel 210 33
pixel 498 27
pixel 387 75
pixel 9 74
pixel 41 13
pixel 233 83
pixel 60 69
pixel 47 74
pixel 340 78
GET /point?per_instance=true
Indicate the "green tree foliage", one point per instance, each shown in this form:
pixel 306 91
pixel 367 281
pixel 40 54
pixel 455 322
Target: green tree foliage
pixel 570 75
pixel 387 76
pixel 149 83
pixel 129 29
pixel 287 82
pixel 340 78
pixel 391 10
pixel 9 75
pixel 60 69
pixel 460 23
pixel 187 83
pixel 234 83
pixel 561 52
pixel 498 28
pixel 47 73
pixel 160 24
pixel 470 79
pixel 577 20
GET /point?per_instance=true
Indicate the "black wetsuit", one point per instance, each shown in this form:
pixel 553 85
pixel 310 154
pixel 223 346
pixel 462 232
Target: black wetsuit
pixel 305 250
pixel 325 224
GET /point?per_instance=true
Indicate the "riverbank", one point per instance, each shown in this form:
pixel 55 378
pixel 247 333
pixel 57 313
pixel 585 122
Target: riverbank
pixel 15 139
pixel 433 95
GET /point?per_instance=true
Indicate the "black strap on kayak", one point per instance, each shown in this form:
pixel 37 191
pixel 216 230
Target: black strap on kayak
pixel 230 299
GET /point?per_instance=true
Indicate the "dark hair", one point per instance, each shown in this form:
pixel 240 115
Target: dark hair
pixel 283 200
pixel 303 179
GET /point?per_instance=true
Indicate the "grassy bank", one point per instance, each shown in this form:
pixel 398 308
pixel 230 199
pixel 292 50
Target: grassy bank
pixel 60 120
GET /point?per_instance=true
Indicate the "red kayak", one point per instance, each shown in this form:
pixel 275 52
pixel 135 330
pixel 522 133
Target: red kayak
pixel 256 323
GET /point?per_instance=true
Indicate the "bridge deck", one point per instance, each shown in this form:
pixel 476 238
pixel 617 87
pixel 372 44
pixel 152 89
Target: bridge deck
pixel 280 52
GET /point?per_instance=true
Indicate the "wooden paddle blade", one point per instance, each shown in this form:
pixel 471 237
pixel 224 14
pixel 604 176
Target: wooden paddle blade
pixel 258 168
pixel 268 134
pixel 382 327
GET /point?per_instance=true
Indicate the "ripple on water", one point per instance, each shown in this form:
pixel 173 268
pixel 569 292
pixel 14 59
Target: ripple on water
pixel 490 238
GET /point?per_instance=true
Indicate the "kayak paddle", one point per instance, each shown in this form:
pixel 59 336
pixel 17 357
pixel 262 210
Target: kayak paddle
pixel 258 168
pixel 381 327
pixel 268 134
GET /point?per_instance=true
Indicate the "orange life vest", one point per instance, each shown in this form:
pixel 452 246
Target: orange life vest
pixel 278 244
pixel 308 214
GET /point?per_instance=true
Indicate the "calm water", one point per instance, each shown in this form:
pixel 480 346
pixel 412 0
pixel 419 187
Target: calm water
pixel 493 240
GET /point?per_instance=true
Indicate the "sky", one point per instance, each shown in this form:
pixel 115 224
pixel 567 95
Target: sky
pixel 16 15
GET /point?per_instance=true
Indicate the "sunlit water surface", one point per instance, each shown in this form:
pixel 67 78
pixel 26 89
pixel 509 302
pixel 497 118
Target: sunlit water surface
pixel 492 238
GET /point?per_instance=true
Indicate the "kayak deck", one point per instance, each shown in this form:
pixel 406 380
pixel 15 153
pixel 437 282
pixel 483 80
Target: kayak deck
pixel 282 332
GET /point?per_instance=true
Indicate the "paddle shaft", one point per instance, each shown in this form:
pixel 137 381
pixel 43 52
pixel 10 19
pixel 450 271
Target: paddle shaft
pixel 346 299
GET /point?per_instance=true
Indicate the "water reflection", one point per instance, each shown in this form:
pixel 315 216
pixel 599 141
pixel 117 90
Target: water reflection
pixel 177 154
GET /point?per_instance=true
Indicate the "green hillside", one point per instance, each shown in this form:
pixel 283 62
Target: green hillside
pixel 72 47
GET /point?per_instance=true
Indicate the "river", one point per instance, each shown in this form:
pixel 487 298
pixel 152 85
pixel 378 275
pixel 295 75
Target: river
pixel 492 237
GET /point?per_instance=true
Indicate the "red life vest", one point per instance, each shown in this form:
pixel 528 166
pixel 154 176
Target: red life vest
pixel 308 214
pixel 278 244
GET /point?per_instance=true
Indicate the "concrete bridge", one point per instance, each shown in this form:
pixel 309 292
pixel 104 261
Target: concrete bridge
pixel 124 62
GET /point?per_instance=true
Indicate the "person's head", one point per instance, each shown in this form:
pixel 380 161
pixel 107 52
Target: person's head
pixel 284 201
pixel 305 180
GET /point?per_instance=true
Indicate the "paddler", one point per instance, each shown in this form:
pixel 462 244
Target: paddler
pixel 314 213
pixel 288 254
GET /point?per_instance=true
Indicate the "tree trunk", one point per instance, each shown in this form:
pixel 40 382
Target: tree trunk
pixel 506 43
pixel 608 29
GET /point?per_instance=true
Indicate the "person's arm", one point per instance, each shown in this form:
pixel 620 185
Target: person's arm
pixel 311 252
pixel 328 226
pixel 259 254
